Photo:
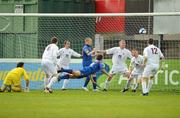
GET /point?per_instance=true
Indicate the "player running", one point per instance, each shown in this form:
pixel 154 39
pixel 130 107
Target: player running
pixel 119 56
pixel 50 62
pixel 152 56
pixel 65 58
pixel 86 71
pixel 12 82
pixel 136 70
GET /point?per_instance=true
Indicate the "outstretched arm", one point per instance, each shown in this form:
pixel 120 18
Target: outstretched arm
pixel 27 86
pixel 105 72
pixel 101 51
pixel 108 51
pixel 75 54
pixel 26 78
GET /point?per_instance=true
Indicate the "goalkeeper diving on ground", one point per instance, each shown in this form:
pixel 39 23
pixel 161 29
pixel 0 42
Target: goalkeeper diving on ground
pixel 96 66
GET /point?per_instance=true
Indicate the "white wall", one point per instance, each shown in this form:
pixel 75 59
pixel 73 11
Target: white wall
pixel 166 24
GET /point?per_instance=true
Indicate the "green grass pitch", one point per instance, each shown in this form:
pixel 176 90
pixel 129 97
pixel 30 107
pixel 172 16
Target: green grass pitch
pixel 173 65
pixel 163 102
pixel 81 104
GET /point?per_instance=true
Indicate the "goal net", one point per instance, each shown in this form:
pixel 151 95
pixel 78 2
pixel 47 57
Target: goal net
pixel 23 37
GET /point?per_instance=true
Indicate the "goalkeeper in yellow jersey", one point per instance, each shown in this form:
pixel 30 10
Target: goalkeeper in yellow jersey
pixel 12 82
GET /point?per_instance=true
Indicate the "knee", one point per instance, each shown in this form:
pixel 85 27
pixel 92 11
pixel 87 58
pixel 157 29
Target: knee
pixel 16 89
pixel 151 77
pixel 109 78
pixel 55 75
pixel 47 76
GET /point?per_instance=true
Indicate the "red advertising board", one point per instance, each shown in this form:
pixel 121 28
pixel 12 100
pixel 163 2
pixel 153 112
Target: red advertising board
pixel 110 24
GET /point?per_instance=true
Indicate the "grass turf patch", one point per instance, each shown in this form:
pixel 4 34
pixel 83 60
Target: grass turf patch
pixel 81 104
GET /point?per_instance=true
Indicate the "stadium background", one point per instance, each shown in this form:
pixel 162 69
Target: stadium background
pixel 23 31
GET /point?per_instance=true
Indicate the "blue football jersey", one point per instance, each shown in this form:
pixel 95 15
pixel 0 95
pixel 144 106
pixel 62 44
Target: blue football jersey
pixel 93 68
pixel 87 59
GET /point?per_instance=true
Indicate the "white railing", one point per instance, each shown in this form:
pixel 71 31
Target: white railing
pixel 91 14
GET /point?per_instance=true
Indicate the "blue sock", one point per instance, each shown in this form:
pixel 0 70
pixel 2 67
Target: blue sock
pixel 87 81
pixel 66 76
pixel 94 85
pixel 66 70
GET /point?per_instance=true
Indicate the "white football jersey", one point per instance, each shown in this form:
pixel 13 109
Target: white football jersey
pixel 51 53
pixel 136 64
pixel 153 55
pixel 119 56
pixel 65 56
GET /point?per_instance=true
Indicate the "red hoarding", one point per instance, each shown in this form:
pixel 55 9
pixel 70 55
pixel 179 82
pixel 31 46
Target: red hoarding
pixel 110 24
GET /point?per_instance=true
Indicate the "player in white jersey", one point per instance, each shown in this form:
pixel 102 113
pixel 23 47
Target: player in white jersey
pixel 136 70
pixel 119 56
pixel 65 58
pixel 49 62
pixel 152 56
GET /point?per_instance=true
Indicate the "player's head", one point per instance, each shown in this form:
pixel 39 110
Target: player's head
pixel 20 64
pixel 54 40
pixel 150 41
pixel 134 53
pixel 67 44
pixel 122 43
pixel 88 41
pixel 99 57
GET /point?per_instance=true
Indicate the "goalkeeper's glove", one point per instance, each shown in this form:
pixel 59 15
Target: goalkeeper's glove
pixel 26 89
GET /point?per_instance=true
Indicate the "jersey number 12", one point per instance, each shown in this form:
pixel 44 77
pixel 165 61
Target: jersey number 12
pixel 154 50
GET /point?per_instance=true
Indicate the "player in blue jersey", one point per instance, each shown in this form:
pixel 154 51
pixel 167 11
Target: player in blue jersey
pixel 86 71
pixel 87 53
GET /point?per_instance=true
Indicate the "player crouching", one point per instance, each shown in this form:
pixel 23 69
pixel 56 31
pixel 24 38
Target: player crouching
pixel 12 82
pixel 86 71
pixel 136 70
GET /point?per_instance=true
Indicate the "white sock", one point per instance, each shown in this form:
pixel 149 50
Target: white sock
pixel 46 81
pixel 66 81
pixel 52 81
pixel 150 82
pixel 128 84
pixel 144 88
pixel 136 86
pixel 106 84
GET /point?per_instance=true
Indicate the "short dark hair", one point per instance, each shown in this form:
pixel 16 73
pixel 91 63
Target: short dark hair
pixel 20 64
pixel 150 41
pixel 99 57
pixel 122 40
pixel 66 41
pixel 54 39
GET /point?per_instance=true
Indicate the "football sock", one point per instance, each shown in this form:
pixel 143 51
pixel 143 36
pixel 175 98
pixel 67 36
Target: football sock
pixel 87 81
pixel 66 76
pixel 66 81
pixel 150 82
pixel 127 84
pixel 106 84
pixel 46 81
pixel 136 86
pixel 52 81
pixel 94 85
pixel 66 70
pixel 144 88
